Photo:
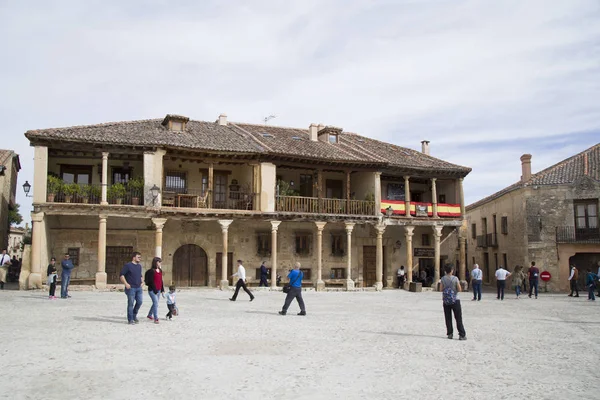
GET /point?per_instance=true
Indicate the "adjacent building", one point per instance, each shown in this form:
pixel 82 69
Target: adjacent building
pixel 550 217
pixel 15 240
pixel 10 166
pixel 202 194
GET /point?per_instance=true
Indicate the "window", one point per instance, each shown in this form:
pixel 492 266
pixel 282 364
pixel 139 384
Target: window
pixel 333 138
pixel 176 181
pixel 586 214
pixel 334 189
pixel 220 192
pixel 121 175
pixel 425 240
pixel 504 225
pixel 303 243
pixel 442 198
pixel 263 244
pixel 177 126
pixel 306 185
pixel 494 225
pixel 496 260
pixel 505 260
pixel 306 272
pixel 337 244
pixel 81 174
pixel 338 273
pixel 204 183
pixel 416 197
pixel 474 231
pixel 73 253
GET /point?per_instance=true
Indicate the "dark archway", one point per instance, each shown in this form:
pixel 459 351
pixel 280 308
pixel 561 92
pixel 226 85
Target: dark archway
pixel 583 261
pixel 190 266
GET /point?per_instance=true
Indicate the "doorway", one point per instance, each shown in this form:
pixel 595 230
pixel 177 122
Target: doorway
pixel 116 257
pixel 427 265
pixel 370 266
pixel 190 266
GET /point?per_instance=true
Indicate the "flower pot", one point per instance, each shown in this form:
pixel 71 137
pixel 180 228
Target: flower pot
pixel 118 201
pixel 85 200
pixel 135 201
pixel 51 197
pixel 68 199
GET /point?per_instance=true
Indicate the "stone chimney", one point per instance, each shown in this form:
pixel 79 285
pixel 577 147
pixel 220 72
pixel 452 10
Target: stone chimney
pixel 319 127
pixel 425 147
pixel 313 131
pixel 525 167
pixel 223 119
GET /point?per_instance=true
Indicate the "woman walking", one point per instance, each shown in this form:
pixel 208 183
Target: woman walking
pixel 518 279
pixel 154 281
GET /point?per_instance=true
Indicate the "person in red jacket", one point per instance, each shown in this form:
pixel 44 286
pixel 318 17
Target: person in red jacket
pixel 154 281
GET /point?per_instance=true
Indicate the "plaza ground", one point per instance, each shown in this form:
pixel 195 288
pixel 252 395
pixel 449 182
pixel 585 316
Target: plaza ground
pixel 361 345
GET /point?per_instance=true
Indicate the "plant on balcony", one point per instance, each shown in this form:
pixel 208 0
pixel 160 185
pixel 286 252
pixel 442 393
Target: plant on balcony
pixel 285 189
pixel 71 190
pixel 117 192
pixel 136 189
pixel 90 193
pixel 55 184
pixel 369 196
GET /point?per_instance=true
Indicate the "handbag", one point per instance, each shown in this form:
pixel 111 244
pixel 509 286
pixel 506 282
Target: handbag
pixel 288 287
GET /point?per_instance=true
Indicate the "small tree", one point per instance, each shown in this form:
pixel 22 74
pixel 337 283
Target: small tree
pixel 14 217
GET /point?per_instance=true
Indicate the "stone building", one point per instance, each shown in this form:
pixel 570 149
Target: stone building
pixel 15 240
pixel 203 194
pixel 10 166
pixel 550 217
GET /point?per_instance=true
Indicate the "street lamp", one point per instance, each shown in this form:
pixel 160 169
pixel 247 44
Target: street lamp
pixel 26 189
pixel 154 190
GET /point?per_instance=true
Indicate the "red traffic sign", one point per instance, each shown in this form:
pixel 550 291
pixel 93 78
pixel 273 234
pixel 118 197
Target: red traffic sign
pixel 545 276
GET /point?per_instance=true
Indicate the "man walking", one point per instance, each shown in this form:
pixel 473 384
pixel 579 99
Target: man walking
pixel 401 276
pixel 450 289
pixel 534 274
pixel 590 283
pixel 241 283
pixel 131 277
pixel 295 276
pixel 4 263
pixel 573 281
pixel 65 276
pixel 476 281
pixel 263 275
pixel 501 275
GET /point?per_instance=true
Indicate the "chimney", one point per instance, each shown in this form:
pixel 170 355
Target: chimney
pixel 425 147
pixel 313 131
pixel 319 127
pixel 223 119
pixel 525 167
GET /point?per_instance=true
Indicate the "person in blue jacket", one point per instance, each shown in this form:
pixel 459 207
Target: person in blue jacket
pixel 295 276
pixel 590 283
pixel 65 276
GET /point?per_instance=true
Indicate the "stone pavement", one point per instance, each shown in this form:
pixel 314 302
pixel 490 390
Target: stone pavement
pixel 363 345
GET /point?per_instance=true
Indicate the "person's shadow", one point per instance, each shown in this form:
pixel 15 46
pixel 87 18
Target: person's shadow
pixel 110 320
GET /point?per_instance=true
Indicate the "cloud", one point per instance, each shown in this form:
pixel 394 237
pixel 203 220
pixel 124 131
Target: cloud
pixel 484 81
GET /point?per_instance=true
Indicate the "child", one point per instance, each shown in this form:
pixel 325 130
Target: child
pixel 590 282
pixel 52 277
pixel 173 310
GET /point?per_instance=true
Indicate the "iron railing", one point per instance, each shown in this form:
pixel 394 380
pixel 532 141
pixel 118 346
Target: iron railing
pixel 571 234
pixel 92 194
pixel 492 240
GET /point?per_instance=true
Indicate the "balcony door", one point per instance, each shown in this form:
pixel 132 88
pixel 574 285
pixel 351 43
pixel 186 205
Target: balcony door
pixel 81 174
pixel 220 190
pixel 586 219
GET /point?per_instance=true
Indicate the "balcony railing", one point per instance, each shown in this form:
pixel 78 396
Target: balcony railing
pixel 570 234
pixel 325 206
pixel 482 241
pixel 492 240
pixel 196 198
pixel 92 194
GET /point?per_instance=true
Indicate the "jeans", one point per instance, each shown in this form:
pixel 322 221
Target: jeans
pixel 448 310
pixel 172 308
pixel 574 288
pixel 65 279
pixel 591 295
pixel 533 283
pixel 518 290
pixel 137 295
pixel 52 289
pixel 501 285
pixel 241 284
pixel 477 289
pixel 294 293
pixel 154 308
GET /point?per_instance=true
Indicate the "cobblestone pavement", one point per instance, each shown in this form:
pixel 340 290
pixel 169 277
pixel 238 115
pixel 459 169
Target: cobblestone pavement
pixel 362 345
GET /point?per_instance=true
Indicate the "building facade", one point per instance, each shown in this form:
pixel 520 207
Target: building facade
pixel 200 195
pixel 10 166
pixel 550 217
pixel 15 240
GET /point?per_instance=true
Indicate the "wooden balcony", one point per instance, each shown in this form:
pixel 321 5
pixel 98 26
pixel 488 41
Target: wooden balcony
pixel 196 198
pixel 298 204
pixel 418 209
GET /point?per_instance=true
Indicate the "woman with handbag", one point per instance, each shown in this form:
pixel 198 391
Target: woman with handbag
pixel 294 290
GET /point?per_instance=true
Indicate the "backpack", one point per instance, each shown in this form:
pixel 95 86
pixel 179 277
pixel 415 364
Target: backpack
pixel 448 294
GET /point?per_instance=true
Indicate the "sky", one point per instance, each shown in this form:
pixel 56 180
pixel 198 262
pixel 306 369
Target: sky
pixel 484 81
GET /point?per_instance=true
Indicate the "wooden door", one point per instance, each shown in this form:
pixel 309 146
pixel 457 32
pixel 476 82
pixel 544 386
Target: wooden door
pixel 190 266
pixel 116 258
pixel 369 261
pixel 229 268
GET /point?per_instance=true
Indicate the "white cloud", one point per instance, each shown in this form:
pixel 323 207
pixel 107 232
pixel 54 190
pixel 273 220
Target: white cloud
pixel 454 72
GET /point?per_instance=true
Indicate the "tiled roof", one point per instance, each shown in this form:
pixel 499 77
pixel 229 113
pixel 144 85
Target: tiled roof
pixel 565 172
pixel 250 139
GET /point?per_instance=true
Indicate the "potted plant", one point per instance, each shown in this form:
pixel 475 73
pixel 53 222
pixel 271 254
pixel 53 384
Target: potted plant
pixel 369 196
pixel 55 184
pixel 136 189
pixel 90 193
pixel 117 192
pixel 70 190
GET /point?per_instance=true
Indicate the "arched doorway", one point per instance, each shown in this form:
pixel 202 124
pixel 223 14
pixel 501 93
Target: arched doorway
pixel 190 266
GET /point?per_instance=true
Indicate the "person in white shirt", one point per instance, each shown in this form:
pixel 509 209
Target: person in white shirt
pixel 573 276
pixel 241 283
pixel 4 263
pixel 476 281
pixel 501 275
pixel 401 276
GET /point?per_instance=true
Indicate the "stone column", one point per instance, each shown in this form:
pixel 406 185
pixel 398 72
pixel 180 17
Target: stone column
pixel 224 229
pixel 34 281
pixel 349 281
pixel 101 271
pixel 274 227
pixel 379 257
pixel 463 258
pixel 437 234
pixel 407 195
pixel 377 193
pixel 461 195
pixel 434 197
pixel 319 284
pixel 409 252
pixel 159 224
pixel 40 174
pixel 104 199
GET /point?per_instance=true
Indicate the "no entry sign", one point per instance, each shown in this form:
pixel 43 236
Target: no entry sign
pixel 545 276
